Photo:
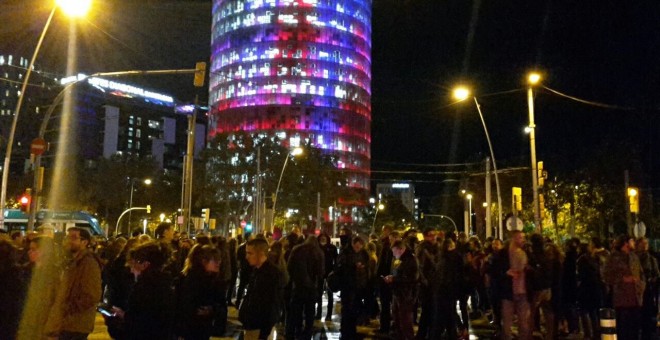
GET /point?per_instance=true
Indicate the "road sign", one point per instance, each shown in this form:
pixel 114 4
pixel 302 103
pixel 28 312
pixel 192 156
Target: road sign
pixel 511 225
pixel 38 146
pixel 639 229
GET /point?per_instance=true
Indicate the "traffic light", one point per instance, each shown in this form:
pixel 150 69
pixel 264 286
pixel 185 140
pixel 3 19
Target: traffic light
pixel 26 201
pixel 517 198
pixel 540 173
pixel 633 198
pixel 200 74
pixel 206 215
pixel 148 209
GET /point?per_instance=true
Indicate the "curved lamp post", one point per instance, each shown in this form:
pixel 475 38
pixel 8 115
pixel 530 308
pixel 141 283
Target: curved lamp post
pixel 380 207
pixel 461 94
pixel 73 8
pixel 295 152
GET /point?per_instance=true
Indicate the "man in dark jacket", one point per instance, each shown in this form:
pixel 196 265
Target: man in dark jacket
pixel 306 270
pixel 262 304
pixel 244 272
pixel 330 256
pixel 352 268
pixel 427 255
pixel 384 269
pixel 403 281
pixel 541 283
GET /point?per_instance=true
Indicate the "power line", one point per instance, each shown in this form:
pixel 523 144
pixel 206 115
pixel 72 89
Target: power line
pixel 589 102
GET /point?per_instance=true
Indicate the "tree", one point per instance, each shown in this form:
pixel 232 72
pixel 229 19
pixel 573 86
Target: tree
pixel 230 173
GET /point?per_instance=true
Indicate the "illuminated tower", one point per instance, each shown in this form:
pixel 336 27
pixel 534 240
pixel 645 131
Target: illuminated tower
pixel 297 69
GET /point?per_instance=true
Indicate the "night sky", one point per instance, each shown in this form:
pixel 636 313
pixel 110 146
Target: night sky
pixel 599 50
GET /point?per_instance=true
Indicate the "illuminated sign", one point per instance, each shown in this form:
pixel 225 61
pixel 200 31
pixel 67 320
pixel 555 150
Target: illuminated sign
pixel 400 186
pixel 105 84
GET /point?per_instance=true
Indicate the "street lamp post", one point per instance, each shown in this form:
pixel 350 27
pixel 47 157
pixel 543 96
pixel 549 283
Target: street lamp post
pixel 469 224
pixel 294 152
pixel 130 201
pixel 72 8
pixel 379 207
pixel 533 79
pixel 462 93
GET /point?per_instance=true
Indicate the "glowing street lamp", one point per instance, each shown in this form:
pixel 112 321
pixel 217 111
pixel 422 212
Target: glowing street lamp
pixel 469 224
pixel 533 79
pixel 147 182
pixel 295 152
pixel 75 8
pixel 462 93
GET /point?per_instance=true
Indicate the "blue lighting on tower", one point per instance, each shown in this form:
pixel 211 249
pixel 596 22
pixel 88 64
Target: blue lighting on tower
pixel 298 69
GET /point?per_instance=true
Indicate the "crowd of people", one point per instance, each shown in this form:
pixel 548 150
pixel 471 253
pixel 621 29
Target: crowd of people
pixel 172 287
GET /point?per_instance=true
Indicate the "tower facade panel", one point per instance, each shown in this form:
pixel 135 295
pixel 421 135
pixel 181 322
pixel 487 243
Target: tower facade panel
pixel 298 69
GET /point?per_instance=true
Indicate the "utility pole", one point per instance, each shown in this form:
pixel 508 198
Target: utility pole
pixel 186 202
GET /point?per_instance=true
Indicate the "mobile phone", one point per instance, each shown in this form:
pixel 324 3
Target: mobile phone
pixel 105 309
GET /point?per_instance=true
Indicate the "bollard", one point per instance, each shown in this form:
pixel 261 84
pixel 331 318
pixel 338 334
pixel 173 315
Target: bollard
pixel 607 324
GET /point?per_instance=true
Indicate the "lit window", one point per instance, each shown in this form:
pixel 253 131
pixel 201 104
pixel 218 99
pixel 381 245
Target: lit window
pixel 138 134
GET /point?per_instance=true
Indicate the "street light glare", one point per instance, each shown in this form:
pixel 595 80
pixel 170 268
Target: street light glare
pixel 297 151
pixel 534 78
pixel 75 8
pixel 632 192
pixel 469 196
pixel 147 181
pixel 461 93
pixel 381 206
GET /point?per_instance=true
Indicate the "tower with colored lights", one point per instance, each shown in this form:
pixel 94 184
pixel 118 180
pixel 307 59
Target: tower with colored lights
pixel 299 70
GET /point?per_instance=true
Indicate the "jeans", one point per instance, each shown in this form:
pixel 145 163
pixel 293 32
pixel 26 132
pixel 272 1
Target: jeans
pixel 426 318
pixel 519 305
pixel 385 305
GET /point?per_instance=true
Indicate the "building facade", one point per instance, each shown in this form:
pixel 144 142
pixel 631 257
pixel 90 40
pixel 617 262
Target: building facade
pixel 299 70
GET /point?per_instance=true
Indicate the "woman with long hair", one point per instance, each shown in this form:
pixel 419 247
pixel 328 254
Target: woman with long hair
pixel 197 292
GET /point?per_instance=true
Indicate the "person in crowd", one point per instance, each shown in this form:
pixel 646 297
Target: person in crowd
pixel 150 309
pixel 306 270
pixel 41 275
pixel 467 285
pixel 624 273
pixel 244 272
pixel 590 289
pixel 220 286
pixel 540 284
pixel 260 310
pixel 513 262
pixel 232 245
pixel 494 299
pixel 330 254
pixel 649 311
pixel 74 310
pixel 370 303
pixel 196 293
pixel 448 273
pixel 119 283
pixel 385 268
pixel 11 290
pixel 403 282
pixel 569 288
pixel 352 268
pixel 427 255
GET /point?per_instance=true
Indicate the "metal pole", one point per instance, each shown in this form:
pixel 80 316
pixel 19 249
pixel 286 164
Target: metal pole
pixel 497 179
pixel 318 211
pixel 488 200
pixel 130 205
pixel 532 147
pixel 278 186
pixel 470 215
pixel 12 131
pixel 629 220
pixel 257 207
